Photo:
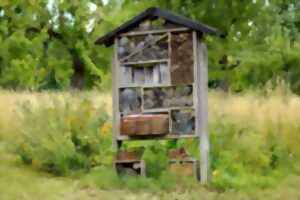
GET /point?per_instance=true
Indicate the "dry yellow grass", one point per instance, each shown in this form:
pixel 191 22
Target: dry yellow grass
pixel 10 101
pixel 276 111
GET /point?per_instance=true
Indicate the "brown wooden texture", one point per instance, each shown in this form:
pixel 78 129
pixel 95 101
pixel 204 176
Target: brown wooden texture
pixel 177 154
pixel 183 168
pixel 161 97
pixel 182 58
pixel 145 124
pixel 129 155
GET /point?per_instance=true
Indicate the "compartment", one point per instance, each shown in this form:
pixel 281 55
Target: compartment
pixel 146 74
pixel 129 162
pixel 130 100
pixel 133 168
pixel 126 77
pixel 183 167
pixel 181 163
pixel 168 97
pixel 182 62
pixel 179 153
pixel 144 124
pixel 143 48
pixel 129 155
pixel 183 122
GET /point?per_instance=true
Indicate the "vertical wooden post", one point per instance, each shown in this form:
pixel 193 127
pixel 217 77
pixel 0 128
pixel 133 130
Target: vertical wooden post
pixel 201 104
pixel 203 93
pixel 115 96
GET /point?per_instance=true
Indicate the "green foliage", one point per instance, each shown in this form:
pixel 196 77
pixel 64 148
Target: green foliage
pixel 156 159
pixel 52 45
pixel 243 158
pixel 254 143
pixel 63 138
pixel 106 178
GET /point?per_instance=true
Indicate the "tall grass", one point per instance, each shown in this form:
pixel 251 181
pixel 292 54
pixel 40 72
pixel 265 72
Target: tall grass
pixel 10 102
pixel 254 136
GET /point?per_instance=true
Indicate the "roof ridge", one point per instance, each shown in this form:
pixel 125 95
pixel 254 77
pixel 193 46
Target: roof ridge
pixel 108 39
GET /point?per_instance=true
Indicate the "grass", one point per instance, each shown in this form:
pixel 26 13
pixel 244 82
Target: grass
pixel 275 112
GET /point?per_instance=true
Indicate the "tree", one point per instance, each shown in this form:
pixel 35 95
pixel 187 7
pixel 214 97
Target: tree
pixel 49 45
pixel 52 45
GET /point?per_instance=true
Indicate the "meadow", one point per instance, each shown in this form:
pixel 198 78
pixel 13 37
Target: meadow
pixel 254 148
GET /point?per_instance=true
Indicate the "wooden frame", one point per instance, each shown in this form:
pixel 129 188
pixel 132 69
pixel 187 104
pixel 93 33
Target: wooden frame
pixel 141 164
pixel 199 99
pixel 188 160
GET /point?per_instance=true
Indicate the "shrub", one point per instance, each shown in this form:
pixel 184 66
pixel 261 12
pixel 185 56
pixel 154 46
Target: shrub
pixel 63 137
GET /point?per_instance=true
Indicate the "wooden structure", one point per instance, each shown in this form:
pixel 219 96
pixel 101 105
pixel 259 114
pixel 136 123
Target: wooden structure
pixel 160 81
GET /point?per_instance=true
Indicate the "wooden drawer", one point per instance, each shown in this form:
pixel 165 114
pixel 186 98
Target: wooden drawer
pixel 145 124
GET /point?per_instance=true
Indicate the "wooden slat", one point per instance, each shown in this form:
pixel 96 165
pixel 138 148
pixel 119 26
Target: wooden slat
pixel 127 161
pixel 183 160
pixel 115 97
pixel 145 85
pixel 156 137
pixel 125 75
pixel 157 31
pixel 201 85
pixel 169 56
pixel 153 110
pixel 146 62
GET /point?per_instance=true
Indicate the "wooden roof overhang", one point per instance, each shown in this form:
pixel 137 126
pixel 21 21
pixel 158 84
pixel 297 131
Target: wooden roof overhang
pixel 153 13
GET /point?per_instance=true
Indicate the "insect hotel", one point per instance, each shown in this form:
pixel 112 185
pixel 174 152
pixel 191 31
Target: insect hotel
pixel 160 88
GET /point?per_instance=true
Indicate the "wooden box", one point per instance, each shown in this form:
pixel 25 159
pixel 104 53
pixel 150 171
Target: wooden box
pixel 129 162
pixel 122 155
pixel 145 124
pixel 183 167
pixel 181 163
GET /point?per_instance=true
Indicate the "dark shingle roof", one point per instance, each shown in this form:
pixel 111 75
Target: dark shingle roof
pixel 108 39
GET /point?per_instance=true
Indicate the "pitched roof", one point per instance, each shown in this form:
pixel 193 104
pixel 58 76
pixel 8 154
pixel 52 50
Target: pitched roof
pixel 108 39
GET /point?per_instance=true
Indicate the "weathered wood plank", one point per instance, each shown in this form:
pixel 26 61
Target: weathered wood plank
pixel 156 75
pixel 201 81
pixel 156 137
pixel 133 33
pixel 138 76
pixel 164 73
pixel 115 97
pixel 146 62
pixel 125 76
pixel 148 76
